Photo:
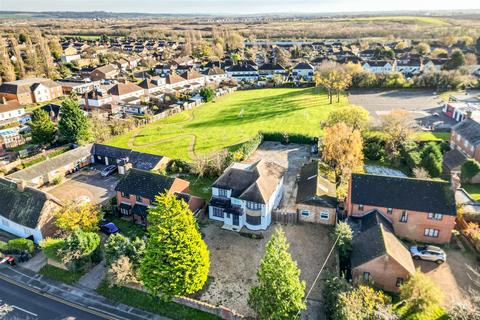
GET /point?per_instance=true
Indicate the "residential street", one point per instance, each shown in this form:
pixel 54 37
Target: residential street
pixel 30 305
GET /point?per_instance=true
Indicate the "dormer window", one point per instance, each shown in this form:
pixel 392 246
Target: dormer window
pixel 253 205
pixel 223 192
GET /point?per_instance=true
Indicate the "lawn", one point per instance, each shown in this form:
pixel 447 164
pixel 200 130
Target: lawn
pixel 60 275
pixel 473 190
pixel 230 120
pixel 150 303
pixel 432 136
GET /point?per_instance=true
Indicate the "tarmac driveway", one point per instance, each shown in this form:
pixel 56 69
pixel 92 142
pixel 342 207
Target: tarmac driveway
pixel 87 183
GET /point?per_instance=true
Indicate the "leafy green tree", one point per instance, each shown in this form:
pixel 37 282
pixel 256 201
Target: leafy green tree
pixel 419 293
pixel 423 48
pixel 74 126
pixel 363 303
pixel 207 94
pixel 469 170
pixel 345 235
pixel 85 216
pixel 353 116
pixel 118 245
pixel 279 292
pixel 176 260
pixel 43 129
pixel 334 285
pixel 456 60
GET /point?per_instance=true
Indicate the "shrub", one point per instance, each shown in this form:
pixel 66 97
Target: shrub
pixel 432 158
pixel 21 244
pixel 345 235
pixel 3 246
pixel 178 166
pixel 207 94
pixel 286 138
pixel 469 170
pixel 52 247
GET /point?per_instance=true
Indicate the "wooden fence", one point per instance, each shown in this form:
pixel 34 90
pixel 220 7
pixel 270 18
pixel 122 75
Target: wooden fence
pixel 284 217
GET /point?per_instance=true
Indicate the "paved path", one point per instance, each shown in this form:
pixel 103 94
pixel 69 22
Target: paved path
pixel 94 277
pixel 36 263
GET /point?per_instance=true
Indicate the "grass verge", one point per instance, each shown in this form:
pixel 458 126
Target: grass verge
pixel 473 190
pixel 150 303
pixel 60 275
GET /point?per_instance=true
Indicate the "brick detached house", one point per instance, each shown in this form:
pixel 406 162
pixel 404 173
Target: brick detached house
pixel 31 90
pixel 378 257
pixel 245 195
pixel 419 210
pixel 136 192
pixel 316 194
pixel 466 138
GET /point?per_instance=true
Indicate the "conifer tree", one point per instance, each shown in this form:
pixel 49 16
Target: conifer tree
pixel 176 260
pixel 279 292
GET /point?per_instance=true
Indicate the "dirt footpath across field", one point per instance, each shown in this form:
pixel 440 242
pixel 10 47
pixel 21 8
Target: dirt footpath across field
pixel 235 258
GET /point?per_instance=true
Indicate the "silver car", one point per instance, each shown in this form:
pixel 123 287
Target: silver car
pixel 429 253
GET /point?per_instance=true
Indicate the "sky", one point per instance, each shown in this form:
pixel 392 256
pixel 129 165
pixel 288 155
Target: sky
pixel 235 6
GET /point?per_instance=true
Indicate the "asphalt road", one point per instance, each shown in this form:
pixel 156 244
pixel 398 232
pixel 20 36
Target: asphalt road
pixel 29 305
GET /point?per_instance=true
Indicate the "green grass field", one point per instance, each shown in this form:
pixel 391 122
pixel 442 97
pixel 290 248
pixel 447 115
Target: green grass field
pixel 230 120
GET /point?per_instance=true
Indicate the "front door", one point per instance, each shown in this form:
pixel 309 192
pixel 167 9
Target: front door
pixel 236 220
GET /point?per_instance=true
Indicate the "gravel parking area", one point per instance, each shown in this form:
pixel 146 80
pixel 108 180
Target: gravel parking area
pixel 452 276
pixel 86 183
pixel 235 258
pixel 422 104
pixel 292 157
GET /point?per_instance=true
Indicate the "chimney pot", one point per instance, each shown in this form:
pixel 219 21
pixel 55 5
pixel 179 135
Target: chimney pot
pixel 21 185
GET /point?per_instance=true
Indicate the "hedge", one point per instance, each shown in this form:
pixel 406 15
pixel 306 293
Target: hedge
pixel 21 244
pixel 469 170
pixel 3 246
pixel 286 138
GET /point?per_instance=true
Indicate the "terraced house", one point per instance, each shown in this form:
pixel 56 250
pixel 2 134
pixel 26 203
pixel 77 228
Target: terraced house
pixel 245 195
pixel 419 210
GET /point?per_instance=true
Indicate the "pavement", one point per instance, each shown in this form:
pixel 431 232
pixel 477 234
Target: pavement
pixel 93 278
pixel 37 297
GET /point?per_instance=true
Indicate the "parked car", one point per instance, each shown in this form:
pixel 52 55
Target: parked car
pixel 7 259
pixel 108 170
pixel 108 227
pixel 428 253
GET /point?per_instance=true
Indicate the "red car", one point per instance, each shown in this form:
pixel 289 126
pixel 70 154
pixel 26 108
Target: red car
pixel 7 259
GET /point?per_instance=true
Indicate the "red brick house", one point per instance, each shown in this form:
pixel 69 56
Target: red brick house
pixel 378 257
pixel 466 138
pixel 137 190
pixel 419 210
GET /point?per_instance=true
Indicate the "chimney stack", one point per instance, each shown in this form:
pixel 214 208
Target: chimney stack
pixel 4 100
pixel 455 182
pixel 468 114
pixel 21 185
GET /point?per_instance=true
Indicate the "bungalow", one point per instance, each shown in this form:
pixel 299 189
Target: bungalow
pixel 419 210
pixel 47 171
pixel 378 257
pixel 245 195
pixel 137 190
pixel 316 194
pixel 127 92
pixel 304 71
pixel 409 67
pixel 107 155
pixel 78 86
pixel 216 74
pixel 108 71
pixel 31 90
pixel 435 64
pixel 379 66
pixel 26 212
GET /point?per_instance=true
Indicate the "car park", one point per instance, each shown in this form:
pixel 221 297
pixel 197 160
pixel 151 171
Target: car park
pixel 428 253
pixel 108 170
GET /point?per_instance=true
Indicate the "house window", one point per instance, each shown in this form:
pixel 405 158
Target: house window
pixel 399 282
pixel 360 207
pixel 253 220
pixel 435 216
pixel 429 232
pixel 324 215
pixel 253 205
pixel 217 212
pixel 125 212
pixel 404 216
pixel 125 195
pixel 138 198
pixel 366 276
pixel 389 210
pixel 305 213
pixel 222 193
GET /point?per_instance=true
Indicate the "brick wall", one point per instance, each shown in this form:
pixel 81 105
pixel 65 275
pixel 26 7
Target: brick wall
pixel 415 226
pixel 384 272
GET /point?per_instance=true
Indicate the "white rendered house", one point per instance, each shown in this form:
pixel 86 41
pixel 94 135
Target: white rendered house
pixel 245 195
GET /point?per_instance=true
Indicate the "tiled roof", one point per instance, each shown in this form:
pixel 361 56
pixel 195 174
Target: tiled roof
pixel 121 89
pixel 315 188
pixel 373 238
pixel 403 193
pixel 469 130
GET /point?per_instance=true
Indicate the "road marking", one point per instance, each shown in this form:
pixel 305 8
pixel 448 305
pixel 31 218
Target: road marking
pixel 26 311
pixel 106 312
